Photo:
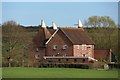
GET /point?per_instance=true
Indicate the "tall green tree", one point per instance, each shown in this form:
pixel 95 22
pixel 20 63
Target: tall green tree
pixel 100 21
pixel 104 32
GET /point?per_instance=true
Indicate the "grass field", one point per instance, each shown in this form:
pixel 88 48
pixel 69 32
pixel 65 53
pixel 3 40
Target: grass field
pixel 57 73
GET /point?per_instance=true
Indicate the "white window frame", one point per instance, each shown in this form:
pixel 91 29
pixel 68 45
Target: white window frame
pixel 83 46
pixel 89 47
pixel 83 54
pixel 77 46
pixel 65 55
pixel 65 47
pixel 54 47
pixel 37 56
pixel 77 55
pixel 90 55
pixel 37 49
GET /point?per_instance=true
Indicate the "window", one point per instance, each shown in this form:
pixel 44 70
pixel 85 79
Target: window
pixel 54 47
pixel 37 49
pixel 83 55
pixel 83 46
pixel 77 55
pixel 65 55
pixel 90 55
pixel 77 47
pixel 65 46
pixel 89 47
pixel 37 56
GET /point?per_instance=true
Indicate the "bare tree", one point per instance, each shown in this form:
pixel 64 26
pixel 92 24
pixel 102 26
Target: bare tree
pixel 15 42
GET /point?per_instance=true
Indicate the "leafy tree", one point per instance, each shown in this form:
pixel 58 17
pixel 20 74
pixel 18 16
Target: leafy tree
pixel 104 38
pixel 100 21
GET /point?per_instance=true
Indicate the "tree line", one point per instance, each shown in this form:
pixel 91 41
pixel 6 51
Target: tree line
pixel 17 39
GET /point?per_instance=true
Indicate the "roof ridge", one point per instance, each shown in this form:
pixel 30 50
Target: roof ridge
pixel 81 29
pixel 66 35
pixel 78 36
pixel 51 36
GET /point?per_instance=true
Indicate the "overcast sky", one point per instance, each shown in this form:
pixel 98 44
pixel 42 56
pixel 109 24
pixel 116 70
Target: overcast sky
pixel 63 13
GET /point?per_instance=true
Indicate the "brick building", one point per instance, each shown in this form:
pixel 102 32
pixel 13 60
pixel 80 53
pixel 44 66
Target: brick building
pixel 64 45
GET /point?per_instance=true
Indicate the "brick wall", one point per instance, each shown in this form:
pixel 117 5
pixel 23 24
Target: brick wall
pixel 59 40
pixel 87 51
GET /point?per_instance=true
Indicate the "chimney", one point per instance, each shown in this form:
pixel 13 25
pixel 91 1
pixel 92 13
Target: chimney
pixel 54 25
pixel 43 24
pixel 79 24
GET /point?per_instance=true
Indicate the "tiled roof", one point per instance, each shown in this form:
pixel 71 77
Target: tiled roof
pixel 77 36
pixel 42 36
pixel 51 31
pixel 47 33
pixel 101 54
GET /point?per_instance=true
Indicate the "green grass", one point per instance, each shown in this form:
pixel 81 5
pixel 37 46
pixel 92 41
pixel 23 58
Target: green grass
pixel 0 72
pixel 57 73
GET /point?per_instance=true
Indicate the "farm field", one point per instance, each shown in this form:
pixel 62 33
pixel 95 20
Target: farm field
pixel 18 72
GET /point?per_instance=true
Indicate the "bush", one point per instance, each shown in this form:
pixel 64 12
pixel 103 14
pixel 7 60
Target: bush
pixel 96 65
pixel 83 66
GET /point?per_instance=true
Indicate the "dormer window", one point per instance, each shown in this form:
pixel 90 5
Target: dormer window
pixel 65 46
pixel 54 47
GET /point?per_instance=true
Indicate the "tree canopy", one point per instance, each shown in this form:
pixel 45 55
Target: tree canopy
pixel 100 21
